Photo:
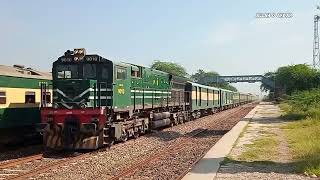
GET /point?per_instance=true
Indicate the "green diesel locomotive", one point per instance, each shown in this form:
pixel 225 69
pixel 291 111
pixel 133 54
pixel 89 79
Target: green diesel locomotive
pixel 97 101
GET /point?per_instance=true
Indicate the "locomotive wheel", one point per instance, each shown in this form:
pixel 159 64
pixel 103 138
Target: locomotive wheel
pixel 180 119
pixel 136 135
pixel 110 143
pixel 171 124
pixel 124 137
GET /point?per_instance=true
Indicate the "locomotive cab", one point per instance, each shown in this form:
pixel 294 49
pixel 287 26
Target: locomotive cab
pixel 82 91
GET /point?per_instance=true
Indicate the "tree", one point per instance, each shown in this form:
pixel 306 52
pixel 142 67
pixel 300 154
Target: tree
pixel 200 75
pixel 266 87
pixel 289 79
pixel 169 67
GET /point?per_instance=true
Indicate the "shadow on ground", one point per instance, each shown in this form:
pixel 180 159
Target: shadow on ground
pixel 233 167
pixel 171 135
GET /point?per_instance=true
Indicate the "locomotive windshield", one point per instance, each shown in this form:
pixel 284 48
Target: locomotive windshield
pixel 65 71
pixel 89 71
pixel 71 71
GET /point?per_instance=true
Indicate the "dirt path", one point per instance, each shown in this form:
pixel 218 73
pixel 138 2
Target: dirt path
pixel 262 151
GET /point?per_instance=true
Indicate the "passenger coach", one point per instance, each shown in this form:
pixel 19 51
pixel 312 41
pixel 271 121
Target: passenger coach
pixel 20 95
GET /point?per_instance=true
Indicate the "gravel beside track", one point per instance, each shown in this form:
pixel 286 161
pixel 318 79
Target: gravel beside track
pixel 176 163
pixel 105 164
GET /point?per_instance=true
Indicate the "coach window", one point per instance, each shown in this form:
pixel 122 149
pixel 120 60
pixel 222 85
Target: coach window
pixel 196 96
pixel 30 97
pixel 207 97
pixel 121 73
pixel 200 92
pixel 3 98
pixel 219 97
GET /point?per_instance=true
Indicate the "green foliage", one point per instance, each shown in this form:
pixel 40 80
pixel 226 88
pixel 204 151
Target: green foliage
pixel 265 87
pixel 289 79
pixel 304 140
pixel 201 74
pixel 170 67
pixel 297 77
pixel 307 102
pixel 178 70
pixel 304 134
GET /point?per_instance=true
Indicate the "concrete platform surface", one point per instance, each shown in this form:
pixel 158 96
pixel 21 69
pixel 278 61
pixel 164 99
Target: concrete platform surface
pixel 208 166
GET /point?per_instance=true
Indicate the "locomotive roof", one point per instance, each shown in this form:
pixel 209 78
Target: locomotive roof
pixel 20 71
pixel 151 69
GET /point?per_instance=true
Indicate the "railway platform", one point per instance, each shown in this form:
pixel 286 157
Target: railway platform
pixel 209 165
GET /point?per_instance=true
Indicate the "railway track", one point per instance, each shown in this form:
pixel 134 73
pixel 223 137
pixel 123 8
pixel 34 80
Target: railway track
pixel 18 168
pixel 46 168
pixel 186 171
pixel 173 148
pixel 21 161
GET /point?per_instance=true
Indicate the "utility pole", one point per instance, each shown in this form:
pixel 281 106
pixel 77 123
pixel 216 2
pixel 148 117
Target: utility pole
pixel 316 54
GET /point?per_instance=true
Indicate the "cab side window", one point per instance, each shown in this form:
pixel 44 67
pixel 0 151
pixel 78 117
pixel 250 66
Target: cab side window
pixel 136 72
pixel 121 73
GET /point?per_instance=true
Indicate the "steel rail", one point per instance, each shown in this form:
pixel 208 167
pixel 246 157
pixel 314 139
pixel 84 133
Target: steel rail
pixel 199 158
pixel 43 169
pixel 21 161
pixel 173 147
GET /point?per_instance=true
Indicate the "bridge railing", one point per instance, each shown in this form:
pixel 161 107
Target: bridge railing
pixel 242 78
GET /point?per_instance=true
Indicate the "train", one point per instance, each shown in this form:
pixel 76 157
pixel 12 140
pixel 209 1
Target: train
pixel 20 96
pixel 97 102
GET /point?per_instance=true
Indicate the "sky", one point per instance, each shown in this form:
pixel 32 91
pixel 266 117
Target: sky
pixel 214 35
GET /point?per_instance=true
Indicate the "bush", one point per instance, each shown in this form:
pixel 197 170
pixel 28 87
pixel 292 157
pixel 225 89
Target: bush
pixel 303 104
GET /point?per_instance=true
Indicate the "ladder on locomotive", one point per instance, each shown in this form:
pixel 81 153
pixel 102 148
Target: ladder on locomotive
pixel 45 100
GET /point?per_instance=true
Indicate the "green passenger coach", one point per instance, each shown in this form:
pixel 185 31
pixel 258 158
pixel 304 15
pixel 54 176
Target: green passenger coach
pixel 20 101
pixel 203 98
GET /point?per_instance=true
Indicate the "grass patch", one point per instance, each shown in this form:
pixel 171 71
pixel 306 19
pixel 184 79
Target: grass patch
pixel 304 134
pixel 241 135
pixel 285 107
pixel 262 149
pixel 290 113
pixel 304 140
